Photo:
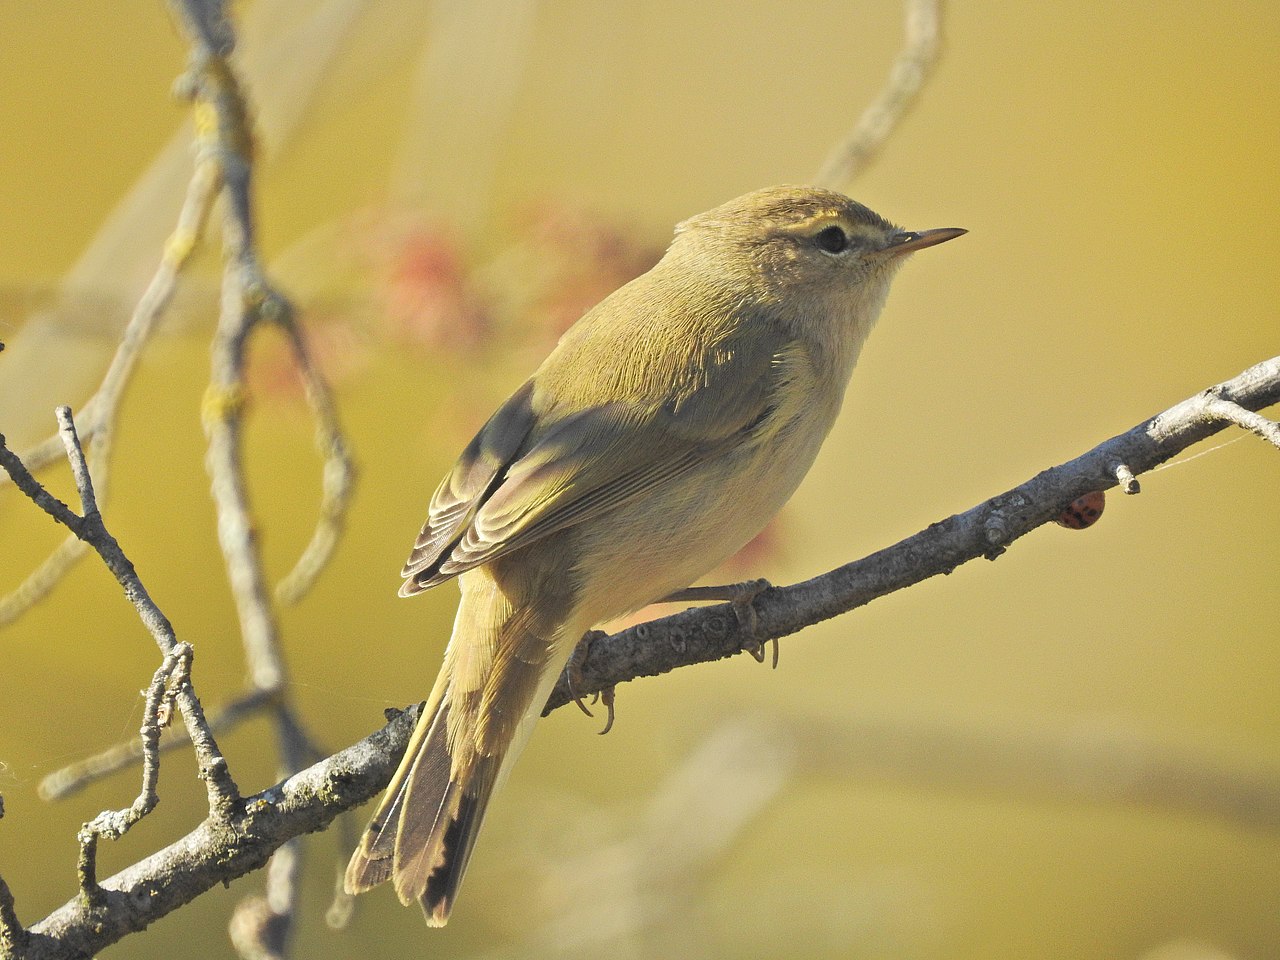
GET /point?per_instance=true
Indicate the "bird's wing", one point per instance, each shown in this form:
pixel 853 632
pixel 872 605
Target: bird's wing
pixel 468 484
pixel 499 498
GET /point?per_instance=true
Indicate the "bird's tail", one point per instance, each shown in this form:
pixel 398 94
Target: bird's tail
pixel 425 853
pixel 499 669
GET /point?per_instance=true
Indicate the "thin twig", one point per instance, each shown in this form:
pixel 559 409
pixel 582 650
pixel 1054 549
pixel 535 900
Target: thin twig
pixel 339 474
pixel 1125 478
pixel 907 77
pixel 1230 412
pixel 100 410
pixel 114 824
pixel 74 777
pixel 222 790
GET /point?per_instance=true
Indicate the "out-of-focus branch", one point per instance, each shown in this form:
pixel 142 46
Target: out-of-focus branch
pixel 907 77
pixel 703 635
pixel 170 685
pixel 642 872
pixel 100 412
pixel 75 777
pixel 1082 764
pixel 223 167
pixel 337 482
pixel 261 926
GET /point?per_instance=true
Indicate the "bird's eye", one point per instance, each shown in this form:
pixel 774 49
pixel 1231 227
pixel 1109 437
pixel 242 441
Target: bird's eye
pixel 832 240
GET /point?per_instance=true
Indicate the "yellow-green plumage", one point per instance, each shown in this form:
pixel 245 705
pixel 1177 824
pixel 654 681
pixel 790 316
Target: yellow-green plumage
pixel 665 430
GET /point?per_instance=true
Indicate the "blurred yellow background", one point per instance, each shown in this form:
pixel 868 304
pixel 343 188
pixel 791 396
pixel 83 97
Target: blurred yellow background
pixel 1116 165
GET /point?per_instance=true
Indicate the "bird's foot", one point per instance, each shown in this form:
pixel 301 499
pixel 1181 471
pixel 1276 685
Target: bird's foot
pixel 742 596
pixel 573 669
pixel 573 678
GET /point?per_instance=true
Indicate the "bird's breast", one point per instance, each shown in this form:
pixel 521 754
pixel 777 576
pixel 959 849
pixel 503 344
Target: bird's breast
pixel 673 535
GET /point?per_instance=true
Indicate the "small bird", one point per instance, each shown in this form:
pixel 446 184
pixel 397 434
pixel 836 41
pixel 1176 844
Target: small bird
pixel 664 431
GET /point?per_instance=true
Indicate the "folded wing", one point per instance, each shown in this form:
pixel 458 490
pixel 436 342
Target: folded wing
pixel 519 481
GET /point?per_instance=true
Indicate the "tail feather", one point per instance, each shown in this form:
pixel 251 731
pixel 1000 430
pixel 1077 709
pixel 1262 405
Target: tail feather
pixel 499 668
pixel 453 838
pixel 422 835
pixel 374 859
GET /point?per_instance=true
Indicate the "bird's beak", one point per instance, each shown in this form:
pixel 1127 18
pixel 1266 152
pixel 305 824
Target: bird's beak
pixel 908 241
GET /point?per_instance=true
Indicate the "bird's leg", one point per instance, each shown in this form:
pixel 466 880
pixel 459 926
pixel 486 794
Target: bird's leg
pixel 742 596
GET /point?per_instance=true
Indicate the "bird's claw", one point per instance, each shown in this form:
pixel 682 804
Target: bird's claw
pixel 606 696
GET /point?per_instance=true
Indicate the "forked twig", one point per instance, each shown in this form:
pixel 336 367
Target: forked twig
pixel 1231 412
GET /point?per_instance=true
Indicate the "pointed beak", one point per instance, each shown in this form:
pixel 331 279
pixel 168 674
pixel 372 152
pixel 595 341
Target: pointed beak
pixel 909 241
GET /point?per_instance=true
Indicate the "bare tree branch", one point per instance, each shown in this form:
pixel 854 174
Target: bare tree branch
pixel 1228 411
pixel 218 850
pixel 246 836
pixel 338 478
pixel 645 869
pixel 699 636
pixel 171 683
pixel 250 299
pixel 220 136
pixel 222 790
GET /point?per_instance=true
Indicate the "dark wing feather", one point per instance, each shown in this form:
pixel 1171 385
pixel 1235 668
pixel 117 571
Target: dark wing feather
pixel 479 469
pixel 568 491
